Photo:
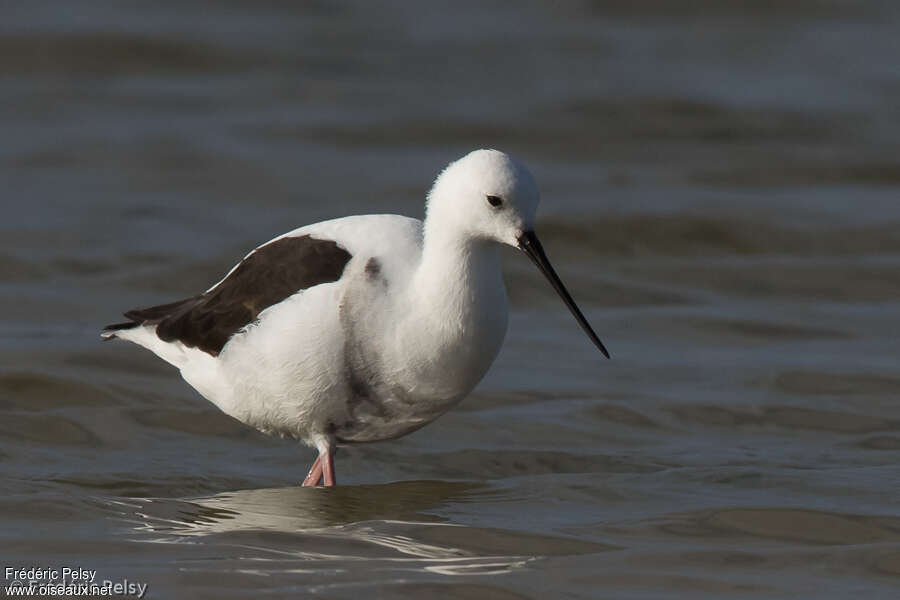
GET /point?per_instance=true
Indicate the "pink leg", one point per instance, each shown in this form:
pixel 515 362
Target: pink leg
pixel 328 468
pixel 315 473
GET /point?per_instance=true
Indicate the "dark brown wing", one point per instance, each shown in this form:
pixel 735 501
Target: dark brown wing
pixel 267 276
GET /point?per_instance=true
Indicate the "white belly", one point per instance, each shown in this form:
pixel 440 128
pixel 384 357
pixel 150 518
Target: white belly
pixel 346 360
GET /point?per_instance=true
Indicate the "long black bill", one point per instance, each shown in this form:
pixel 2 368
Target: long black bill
pixel 528 243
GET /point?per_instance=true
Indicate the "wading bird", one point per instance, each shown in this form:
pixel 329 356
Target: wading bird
pixel 363 328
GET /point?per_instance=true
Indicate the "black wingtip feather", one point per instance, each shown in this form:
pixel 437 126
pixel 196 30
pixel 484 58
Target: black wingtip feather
pixel 120 326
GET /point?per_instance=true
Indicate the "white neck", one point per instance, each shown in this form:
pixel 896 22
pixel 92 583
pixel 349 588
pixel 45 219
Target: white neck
pixel 456 271
pixel 457 318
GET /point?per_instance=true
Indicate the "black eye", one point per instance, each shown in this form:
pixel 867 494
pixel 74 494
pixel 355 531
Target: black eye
pixel 495 201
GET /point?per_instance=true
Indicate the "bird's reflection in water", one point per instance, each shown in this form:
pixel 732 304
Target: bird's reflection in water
pixel 294 508
pixel 390 522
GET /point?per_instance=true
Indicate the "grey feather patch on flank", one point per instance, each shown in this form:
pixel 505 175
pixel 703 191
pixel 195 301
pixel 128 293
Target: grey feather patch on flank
pixel 374 272
pixel 267 276
pixel 373 267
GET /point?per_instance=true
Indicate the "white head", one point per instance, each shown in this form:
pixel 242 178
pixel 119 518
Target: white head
pixel 486 195
pixel 489 196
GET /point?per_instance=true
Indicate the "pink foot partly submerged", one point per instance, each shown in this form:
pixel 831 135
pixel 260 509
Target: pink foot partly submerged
pixel 328 470
pixel 323 468
pixel 315 473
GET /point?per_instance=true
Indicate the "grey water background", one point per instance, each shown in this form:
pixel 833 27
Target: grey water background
pixel 720 192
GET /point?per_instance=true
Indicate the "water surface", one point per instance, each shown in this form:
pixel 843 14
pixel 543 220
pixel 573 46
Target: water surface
pixel 720 187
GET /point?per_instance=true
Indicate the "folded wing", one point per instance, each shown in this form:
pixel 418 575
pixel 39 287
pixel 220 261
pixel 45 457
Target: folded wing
pixel 268 275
